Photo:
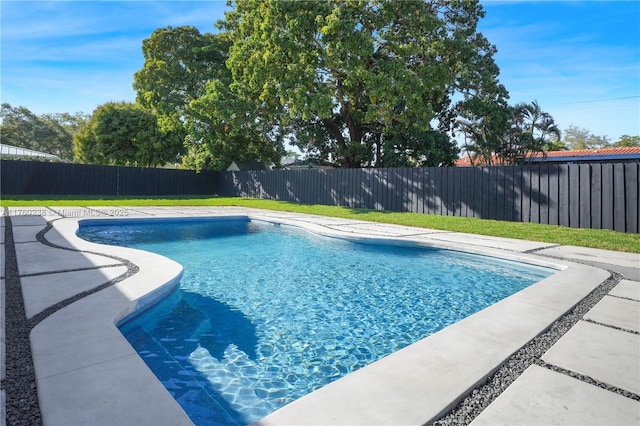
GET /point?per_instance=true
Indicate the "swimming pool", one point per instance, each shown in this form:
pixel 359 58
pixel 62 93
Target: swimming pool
pixel 256 323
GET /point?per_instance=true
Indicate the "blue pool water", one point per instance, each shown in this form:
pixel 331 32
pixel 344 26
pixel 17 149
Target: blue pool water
pixel 266 314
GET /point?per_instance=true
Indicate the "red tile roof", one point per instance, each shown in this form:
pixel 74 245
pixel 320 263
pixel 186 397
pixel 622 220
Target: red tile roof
pixel 595 151
pixel 466 161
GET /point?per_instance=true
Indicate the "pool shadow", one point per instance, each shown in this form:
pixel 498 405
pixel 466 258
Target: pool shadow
pixel 168 335
pixel 227 326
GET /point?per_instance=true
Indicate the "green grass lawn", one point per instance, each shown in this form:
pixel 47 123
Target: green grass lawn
pixel 602 239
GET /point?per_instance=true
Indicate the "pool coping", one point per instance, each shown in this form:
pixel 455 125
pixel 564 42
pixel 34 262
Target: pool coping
pixel 80 357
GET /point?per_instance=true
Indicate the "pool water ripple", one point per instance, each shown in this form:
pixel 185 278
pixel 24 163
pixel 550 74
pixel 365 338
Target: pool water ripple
pixel 264 315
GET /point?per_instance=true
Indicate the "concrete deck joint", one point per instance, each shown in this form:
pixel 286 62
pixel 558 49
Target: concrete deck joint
pixel 613 327
pixel 624 298
pixel 535 250
pixel 587 379
pixel 62 271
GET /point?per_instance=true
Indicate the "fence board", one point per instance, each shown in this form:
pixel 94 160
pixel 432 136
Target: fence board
pixel 352 181
pixel 526 194
pixel 302 182
pixel 336 182
pixel 443 191
pixel 464 193
pixel 364 188
pixel 606 196
pixel 477 192
pixel 398 190
pixel 321 189
pixel 553 197
pixel 313 188
pixel 333 185
pixel 401 190
pixel 596 196
pixel 428 191
pixel 491 192
pixel 574 196
pixel 619 205
pixel 355 189
pixel 535 195
pixel 418 187
pixel 585 196
pixel 500 192
pixel 448 207
pixel 347 185
pixel 413 183
pixel 436 182
pixel 386 190
pixel 412 192
pixel 483 189
pixel 456 182
pixel 375 189
pixel 631 197
pixel 510 194
pixel 516 203
pixel 544 194
pixel 563 195
pixel 424 190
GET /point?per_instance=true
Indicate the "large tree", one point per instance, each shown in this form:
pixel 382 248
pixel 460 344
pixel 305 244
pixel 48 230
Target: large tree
pixel 368 82
pixel 223 127
pixel 50 133
pixel 184 81
pixel 178 64
pixel 121 133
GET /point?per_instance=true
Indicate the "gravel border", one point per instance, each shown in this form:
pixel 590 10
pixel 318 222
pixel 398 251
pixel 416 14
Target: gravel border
pixel 21 402
pixel 485 393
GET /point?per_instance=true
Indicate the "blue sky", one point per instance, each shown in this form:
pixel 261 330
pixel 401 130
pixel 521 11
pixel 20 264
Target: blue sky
pixel 579 59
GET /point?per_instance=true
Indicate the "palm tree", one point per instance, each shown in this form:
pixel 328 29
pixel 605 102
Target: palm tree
pixel 532 131
pixel 500 134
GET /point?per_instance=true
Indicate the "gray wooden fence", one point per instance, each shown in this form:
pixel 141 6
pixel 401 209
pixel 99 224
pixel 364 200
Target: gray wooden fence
pixel 598 196
pixel 45 178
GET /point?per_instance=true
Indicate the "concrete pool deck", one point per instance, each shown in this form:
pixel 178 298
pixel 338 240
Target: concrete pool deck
pixel 73 292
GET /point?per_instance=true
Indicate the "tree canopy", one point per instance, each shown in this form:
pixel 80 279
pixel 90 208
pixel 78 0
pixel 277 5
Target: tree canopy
pixel 184 81
pixel 50 133
pixel 178 64
pixel 121 133
pixel 364 81
pixel 580 138
pixel 627 141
